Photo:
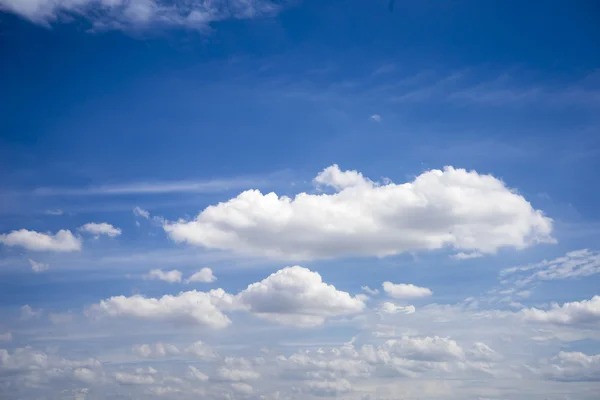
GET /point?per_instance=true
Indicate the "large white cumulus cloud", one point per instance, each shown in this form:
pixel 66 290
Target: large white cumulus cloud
pixel 452 208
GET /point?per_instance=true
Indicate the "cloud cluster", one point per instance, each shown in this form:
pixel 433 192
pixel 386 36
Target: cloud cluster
pixel 576 312
pixel 291 296
pixel 450 208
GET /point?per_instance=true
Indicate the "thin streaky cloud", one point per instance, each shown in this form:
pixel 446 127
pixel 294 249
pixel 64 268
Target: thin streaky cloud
pixel 210 186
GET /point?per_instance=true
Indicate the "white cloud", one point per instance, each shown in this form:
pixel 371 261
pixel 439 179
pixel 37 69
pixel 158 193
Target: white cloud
pixel 391 308
pixel 572 366
pixel 53 212
pixel 466 256
pixel 372 292
pixel 200 350
pixel 196 308
pixel 100 229
pixel 425 348
pixel 242 388
pixel 452 208
pixel 173 276
pixel 574 264
pixel 298 296
pixel 482 352
pixel 6 337
pixel 577 312
pixel 125 378
pixel 376 117
pixel 85 375
pixel 205 275
pixel 38 266
pixel 123 14
pixel 62 241
pixel 155 350
pixel 140 212
pixel 196 374
pixel 329 388
pixel 29 313
pixel 405 291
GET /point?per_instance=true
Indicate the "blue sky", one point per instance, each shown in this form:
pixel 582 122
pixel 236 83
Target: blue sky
pixel 139 143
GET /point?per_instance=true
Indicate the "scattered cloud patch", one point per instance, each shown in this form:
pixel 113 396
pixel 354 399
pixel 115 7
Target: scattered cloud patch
pixel 6 337
pixel 173 276
pixel 205 275
pixel 391 308
pixel 140 212
pixel 100 229
pixel 376 117
pixel 27 312
pixel 62 241
pixel 572 367
pixel 38 266
pixel 405 291
pixel 372 292
pixel 451 208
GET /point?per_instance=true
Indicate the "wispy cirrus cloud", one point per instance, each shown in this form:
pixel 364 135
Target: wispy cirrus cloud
pixel 149 188
pixel 134 14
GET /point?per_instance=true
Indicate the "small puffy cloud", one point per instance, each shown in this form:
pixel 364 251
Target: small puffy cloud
pixel 29 313
pixel 140 212
pixel 298 296
pixel 38 266
pixel 572 367
pixel 155 350
pixel 195 374
pixel 173 276
pixel 6 337
pixel 451 208
pixel 405 291
pixel 576 312
pixel 193 307
pixel 237 369
pixel 100 229
pixel 391 308
pixel 200 350
pixel 372 292
pixel 205 275
pixel 62 241
pixel 376 117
